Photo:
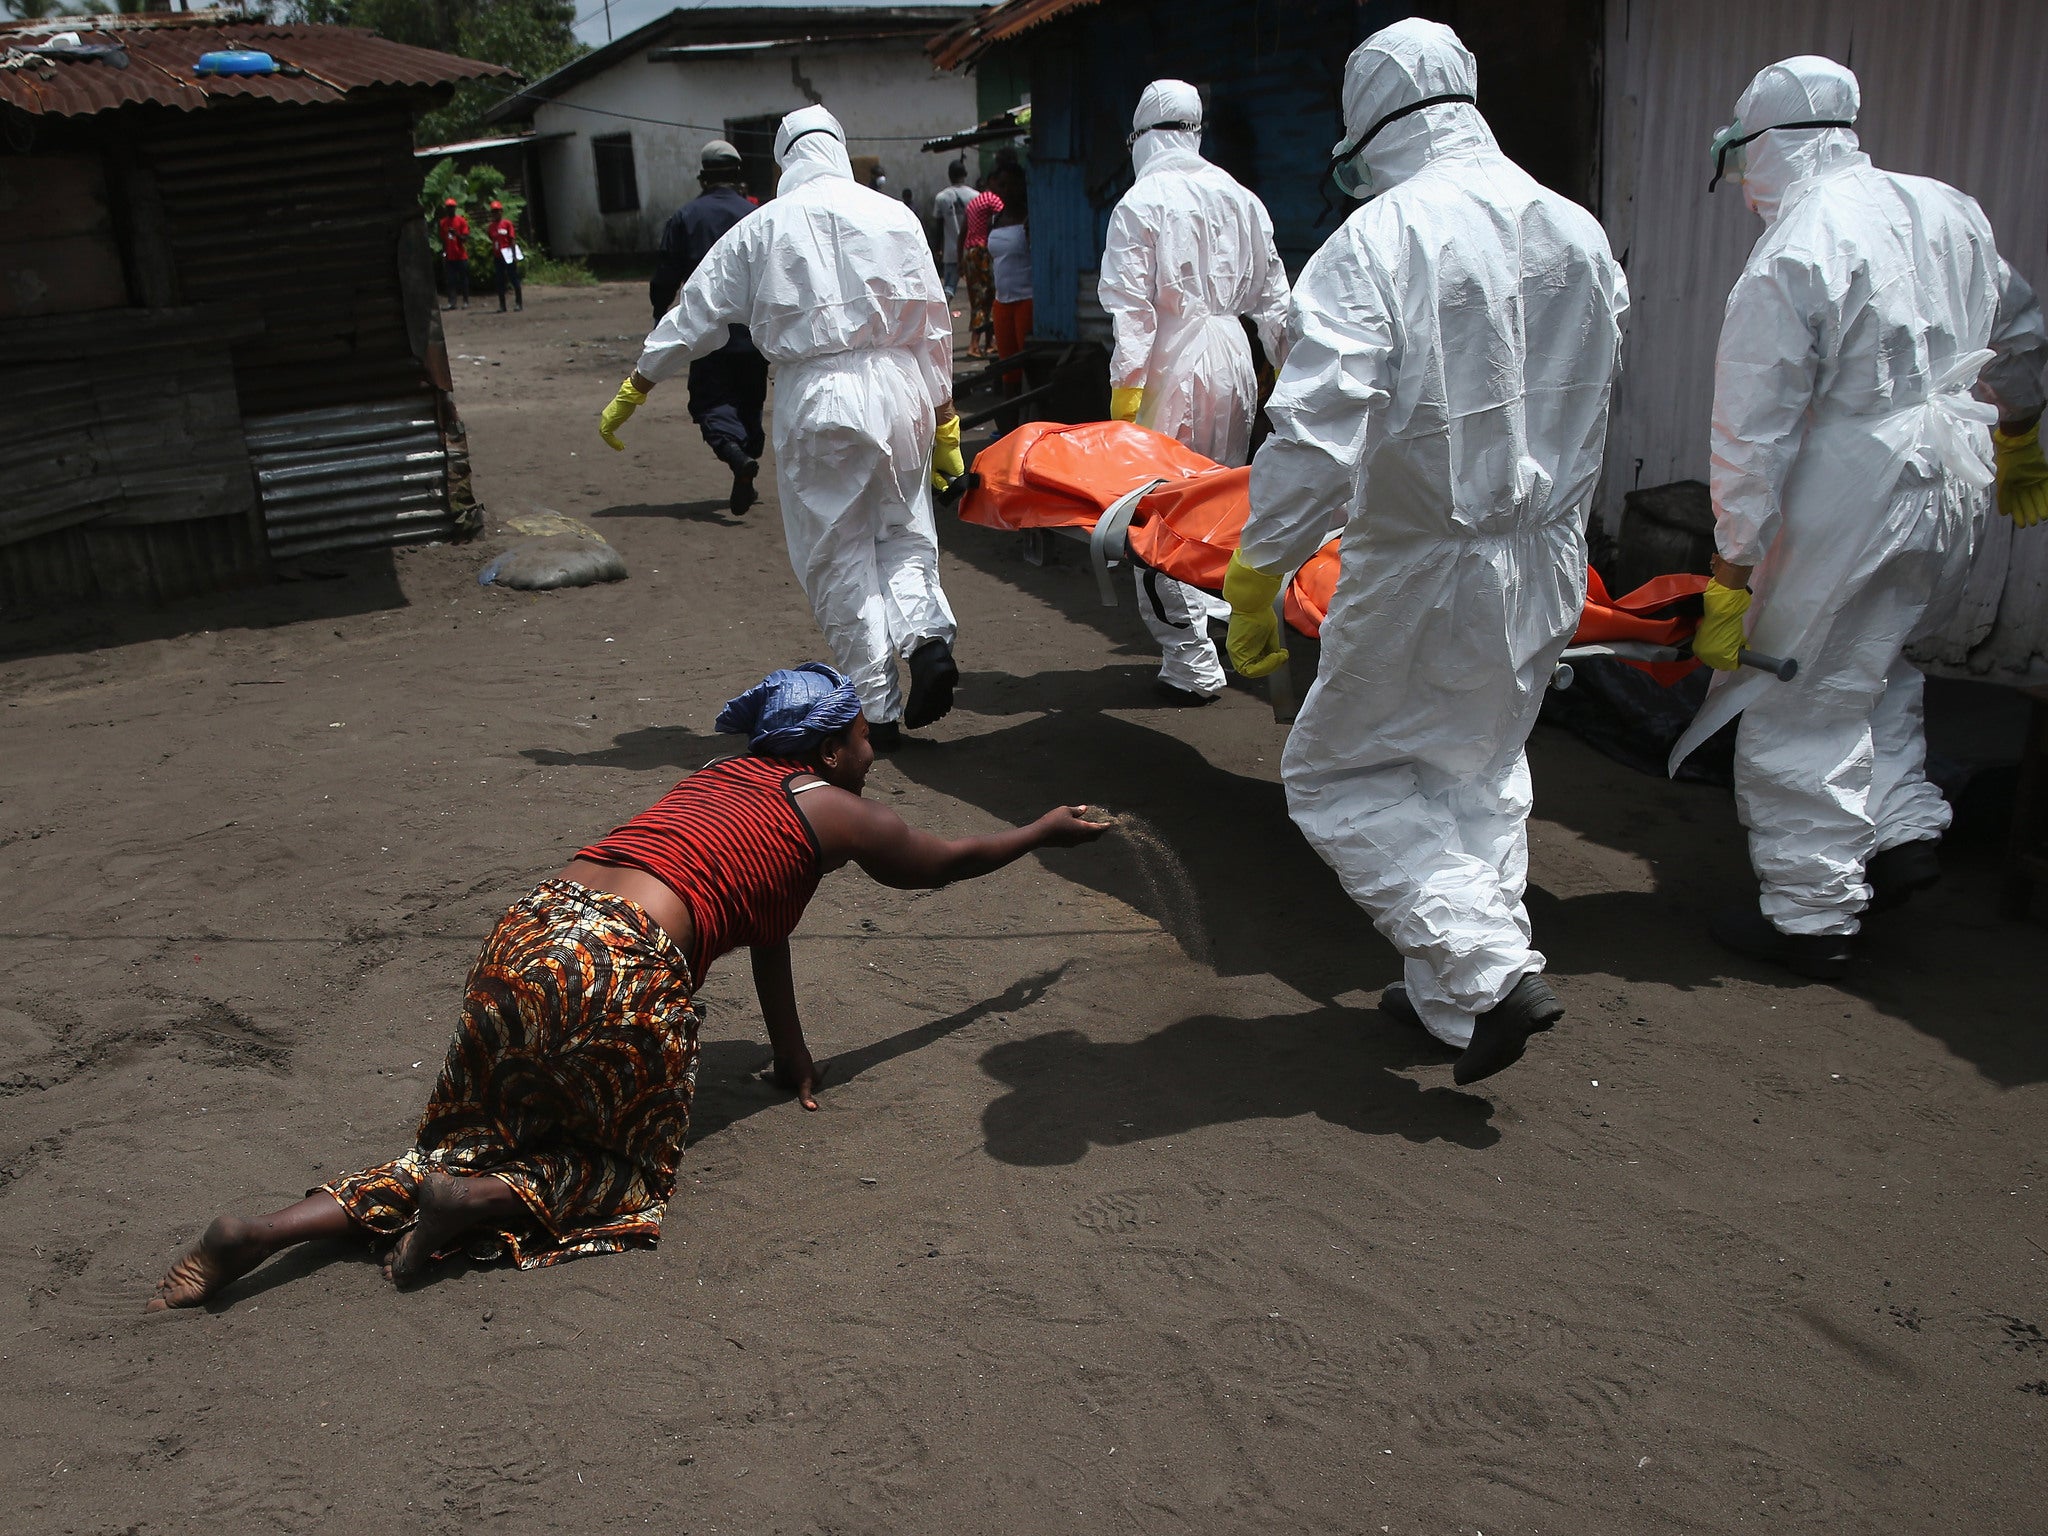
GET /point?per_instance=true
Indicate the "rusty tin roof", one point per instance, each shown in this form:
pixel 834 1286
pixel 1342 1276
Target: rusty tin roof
pixel 966 42
pixel 316 64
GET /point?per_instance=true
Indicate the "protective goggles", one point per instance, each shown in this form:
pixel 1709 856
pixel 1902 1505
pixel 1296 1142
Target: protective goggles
pixel 1352 179
pixel 1723 146
pixel 1136 134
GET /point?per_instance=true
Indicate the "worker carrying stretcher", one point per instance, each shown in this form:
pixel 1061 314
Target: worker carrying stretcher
pixel 1188 260
pixel 1448 361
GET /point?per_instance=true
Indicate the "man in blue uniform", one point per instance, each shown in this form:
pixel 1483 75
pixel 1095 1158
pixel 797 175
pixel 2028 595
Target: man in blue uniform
pixel 727 388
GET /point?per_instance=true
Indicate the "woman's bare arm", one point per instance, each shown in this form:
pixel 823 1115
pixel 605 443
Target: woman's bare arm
pixel 776 989
pixel 853 830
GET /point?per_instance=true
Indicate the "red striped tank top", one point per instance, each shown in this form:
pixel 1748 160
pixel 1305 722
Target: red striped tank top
pixel 730 841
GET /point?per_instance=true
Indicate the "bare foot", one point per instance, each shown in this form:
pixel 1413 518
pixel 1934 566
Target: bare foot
pixel 448 1208
pixel 225 1252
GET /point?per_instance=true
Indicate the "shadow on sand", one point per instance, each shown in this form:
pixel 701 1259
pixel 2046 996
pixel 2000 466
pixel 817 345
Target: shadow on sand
pixel 320 587
pixel 1065 1093
pixel 712 511
pixel 1267 903
pixel 1945 965
pixel 650 747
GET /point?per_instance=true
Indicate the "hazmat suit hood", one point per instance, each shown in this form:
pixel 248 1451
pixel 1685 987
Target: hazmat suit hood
pixel 1165 101
pixel 810 144
pixel 1412 61
pixel 1806 89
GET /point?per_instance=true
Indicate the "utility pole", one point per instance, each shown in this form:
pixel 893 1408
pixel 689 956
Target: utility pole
pixel 607 20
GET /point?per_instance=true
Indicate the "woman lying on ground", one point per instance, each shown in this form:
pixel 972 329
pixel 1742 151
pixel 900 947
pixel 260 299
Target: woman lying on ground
pixel 570 1076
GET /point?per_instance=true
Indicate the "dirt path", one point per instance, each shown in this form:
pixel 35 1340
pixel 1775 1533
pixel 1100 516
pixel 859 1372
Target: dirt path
pixel 1087 1237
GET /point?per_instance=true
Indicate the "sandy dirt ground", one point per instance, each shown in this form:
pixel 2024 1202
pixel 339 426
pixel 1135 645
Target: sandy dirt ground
pixel 1088 1236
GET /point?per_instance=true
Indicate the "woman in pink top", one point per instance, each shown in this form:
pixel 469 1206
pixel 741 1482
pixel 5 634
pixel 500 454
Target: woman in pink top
pixel 979 273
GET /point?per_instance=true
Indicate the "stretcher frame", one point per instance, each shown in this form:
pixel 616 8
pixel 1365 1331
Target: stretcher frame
pixel 1109 549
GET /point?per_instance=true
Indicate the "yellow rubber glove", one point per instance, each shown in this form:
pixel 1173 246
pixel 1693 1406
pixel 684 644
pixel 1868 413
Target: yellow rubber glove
pixel 2022 476
pixel 1720 635
pixel 1124 403
pixel 947 465
pixel 1254 639
pixel 624 404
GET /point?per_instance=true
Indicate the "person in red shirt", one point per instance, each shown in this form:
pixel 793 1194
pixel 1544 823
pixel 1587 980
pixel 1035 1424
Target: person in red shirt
pixel 556 1125
pixel 455 253
pixel 505 254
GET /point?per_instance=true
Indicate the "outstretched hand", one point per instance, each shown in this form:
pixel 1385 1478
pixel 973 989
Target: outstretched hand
pixel 1066 826
pixel 800 1076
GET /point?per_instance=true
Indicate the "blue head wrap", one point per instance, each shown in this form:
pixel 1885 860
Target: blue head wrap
pixel 789 712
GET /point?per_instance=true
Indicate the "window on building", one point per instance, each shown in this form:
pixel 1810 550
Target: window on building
pixel 754 138
pixel 618 190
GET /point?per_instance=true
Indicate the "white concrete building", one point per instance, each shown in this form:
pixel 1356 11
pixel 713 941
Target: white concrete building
pixel 618 131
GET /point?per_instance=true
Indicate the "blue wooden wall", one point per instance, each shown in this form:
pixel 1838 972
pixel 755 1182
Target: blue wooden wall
pixel 1273 73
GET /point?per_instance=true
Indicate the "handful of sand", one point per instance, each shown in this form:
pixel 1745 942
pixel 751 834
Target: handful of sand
pixel 1176 904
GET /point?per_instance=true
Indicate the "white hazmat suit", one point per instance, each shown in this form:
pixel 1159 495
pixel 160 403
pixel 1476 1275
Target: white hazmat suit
pixel 1850 466
pixel 1189 251
pixel 835 283
pixel 1450 355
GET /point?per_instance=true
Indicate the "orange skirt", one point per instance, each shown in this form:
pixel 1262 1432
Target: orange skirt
pixel 570 1078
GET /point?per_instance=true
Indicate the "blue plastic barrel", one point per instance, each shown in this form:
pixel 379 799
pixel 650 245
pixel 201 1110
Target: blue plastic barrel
pixel 235 61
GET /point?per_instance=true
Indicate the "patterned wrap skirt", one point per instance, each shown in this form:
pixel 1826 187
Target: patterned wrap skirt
pixel 570 1078
pixel 979 273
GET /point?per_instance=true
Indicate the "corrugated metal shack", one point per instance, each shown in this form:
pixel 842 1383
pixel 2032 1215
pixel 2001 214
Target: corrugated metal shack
pixel 1272 76
pixel 218 336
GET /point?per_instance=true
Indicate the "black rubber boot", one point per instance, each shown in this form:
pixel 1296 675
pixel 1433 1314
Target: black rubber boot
pixel 1898 874
pixel 1501 1034
pixel 1182 698
pixel 743 493
pixel 1821 956
pixel 885 737
pixel 933 677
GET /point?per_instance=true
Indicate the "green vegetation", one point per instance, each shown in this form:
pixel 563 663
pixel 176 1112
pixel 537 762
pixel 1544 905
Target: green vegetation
pixel 473 191
pixel 560 271
pixel 530 36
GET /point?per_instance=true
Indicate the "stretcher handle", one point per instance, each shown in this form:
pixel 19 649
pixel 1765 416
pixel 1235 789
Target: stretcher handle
pixel 1109 541
pixel 1784 668
pixel 949 496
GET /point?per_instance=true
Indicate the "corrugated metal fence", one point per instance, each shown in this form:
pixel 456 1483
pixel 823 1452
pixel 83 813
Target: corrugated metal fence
pixel 1949 90
pixel 350 477
pixel 293 214
pixel 122 466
